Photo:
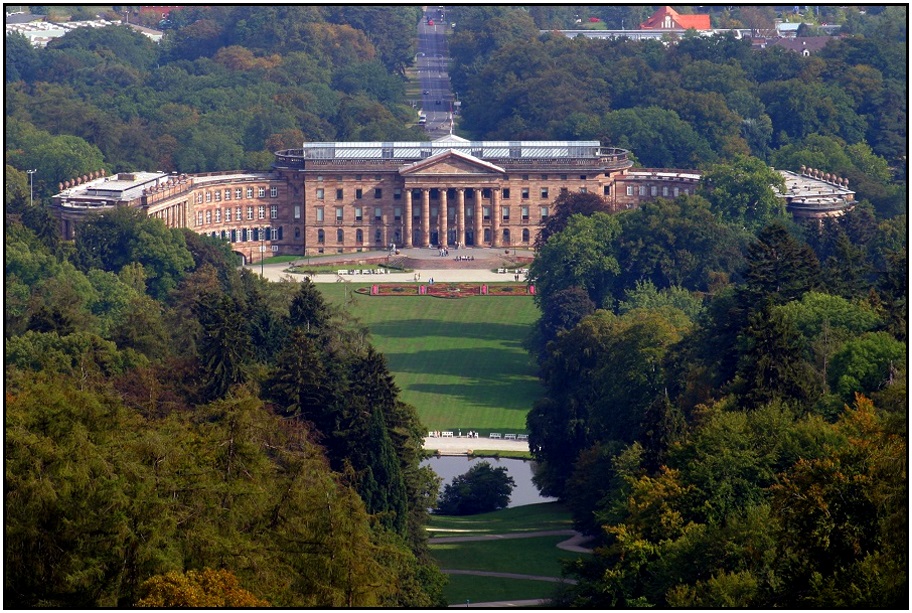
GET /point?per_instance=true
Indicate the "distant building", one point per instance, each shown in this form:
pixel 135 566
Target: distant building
pixel 668 19
pixel 40 33
pixel 349 197
pixel 806 46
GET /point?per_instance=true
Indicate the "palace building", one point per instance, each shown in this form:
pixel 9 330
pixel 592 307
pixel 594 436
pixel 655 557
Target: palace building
pixel 363 196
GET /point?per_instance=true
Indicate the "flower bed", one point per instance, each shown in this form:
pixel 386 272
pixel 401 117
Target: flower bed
pixel 445 290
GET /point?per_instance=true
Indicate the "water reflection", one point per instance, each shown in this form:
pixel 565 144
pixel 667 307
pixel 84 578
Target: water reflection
pixel 524 493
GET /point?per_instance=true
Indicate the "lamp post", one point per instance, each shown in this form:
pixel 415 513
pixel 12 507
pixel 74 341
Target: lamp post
pixel 262 248
pixel 31 174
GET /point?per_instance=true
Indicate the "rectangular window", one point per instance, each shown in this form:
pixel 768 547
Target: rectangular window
pixel 228 214
pixel 563 177
pixel 525 193
pixel 397 194
pixel 218 215
pixel 397 213
pixel 273 192
pixel 227 194
pixel 357 177
pixel 606 190
pixel 470 211
pixel 261 212
pixel 544 212
pixel 544 177
pixel 544 192
pixel 642 190
pixel 378 193
pixel 199 198
pixel 319 211
pixel 250 212
pixel 664 190
pixel 357 213
pixel 676 192
pixel 340 194
pixel 505 213
pixel 358 193
pixel 583 190
pixel 629 190
pixel 320 193
pixel 238 193
pixel 208 217
pixel 653 190
pixel 273 211
pixel 218 195
pixel 319 177
pixel 339 214
pixel 524 211
pixel 525 177
pixel 261 192
pixel 583 177
pixel 378 213
pixel 486 212
pixel 250 192
pixel 506 193
pixel 208 197
pixel 199 218
pixel 237 213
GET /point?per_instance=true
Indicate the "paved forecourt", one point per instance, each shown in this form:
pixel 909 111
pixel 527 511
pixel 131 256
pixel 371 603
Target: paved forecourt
pixel 463 445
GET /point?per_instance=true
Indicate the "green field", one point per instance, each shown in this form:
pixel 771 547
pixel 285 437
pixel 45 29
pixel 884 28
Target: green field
pixel 530 556
pixel 493 589
pixel 459 362
pixel 526 518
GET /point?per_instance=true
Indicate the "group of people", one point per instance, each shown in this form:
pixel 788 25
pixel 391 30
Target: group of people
pixel 472 434
pixel 443 252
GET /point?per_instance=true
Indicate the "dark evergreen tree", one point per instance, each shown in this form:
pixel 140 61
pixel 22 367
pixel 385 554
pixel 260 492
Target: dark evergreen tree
pixel 780 269
pixel 224 347
pixel 308 309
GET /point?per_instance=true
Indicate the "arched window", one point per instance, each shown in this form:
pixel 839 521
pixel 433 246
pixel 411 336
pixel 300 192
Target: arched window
pixel 487 235
pixel 378 236
pixel 359 237
pixel 525 235
pixel 297 232
pixel 506 236
pixel 340 236
pixel 321 237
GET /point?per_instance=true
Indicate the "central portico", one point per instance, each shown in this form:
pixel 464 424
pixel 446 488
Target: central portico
pixel 446 192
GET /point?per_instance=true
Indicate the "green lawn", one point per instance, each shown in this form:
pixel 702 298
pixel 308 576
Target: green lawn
pixel 459 362
pixel 530 517
pixel 493 589
pixel 529 556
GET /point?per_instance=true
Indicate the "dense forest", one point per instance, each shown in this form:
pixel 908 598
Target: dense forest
pixel 726 403
pixel 725 406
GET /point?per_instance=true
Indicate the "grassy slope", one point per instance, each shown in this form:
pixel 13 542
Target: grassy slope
pixel 459 362
pixel 532 517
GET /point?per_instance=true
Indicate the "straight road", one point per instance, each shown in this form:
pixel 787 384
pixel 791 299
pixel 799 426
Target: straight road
pixel 433 59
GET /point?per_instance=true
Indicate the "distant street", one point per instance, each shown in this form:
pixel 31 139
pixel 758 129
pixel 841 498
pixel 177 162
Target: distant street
pixel 433 59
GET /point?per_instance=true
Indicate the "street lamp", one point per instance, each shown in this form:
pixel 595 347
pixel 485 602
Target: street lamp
pixel 31 174
pixel 263 232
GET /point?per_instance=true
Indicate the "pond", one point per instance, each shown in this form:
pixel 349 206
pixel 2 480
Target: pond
pixel 524 493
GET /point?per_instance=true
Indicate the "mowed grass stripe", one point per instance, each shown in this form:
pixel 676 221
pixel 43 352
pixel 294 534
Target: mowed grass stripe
pixel 461 362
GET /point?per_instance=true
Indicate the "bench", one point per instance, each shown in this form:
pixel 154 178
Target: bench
pixel 494 435
pixel 509 437
pixel 447 434
pixel 341 272
pixel 522 437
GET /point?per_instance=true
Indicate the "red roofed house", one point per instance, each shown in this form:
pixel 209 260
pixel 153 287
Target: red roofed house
pixel 666 18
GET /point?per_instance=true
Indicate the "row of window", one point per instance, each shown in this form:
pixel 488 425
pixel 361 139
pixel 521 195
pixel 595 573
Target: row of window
pixel 544 193
pixel 243 235
pixel 654 190
pixel 378 236
pixel 544 177
pixel 239 194
pixel 226 214
pixel 397 213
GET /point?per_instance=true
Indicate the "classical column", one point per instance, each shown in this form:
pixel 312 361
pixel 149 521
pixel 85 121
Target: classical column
pixel 426 217
pixel 479 231
pixel 495 217
pixel 460 216
pixel 442 219
pixel 407 238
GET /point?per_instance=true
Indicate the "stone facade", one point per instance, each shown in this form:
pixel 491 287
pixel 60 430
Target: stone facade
pixel 353 197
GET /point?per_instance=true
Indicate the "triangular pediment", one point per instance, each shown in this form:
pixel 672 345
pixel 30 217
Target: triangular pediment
pixel 451 162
